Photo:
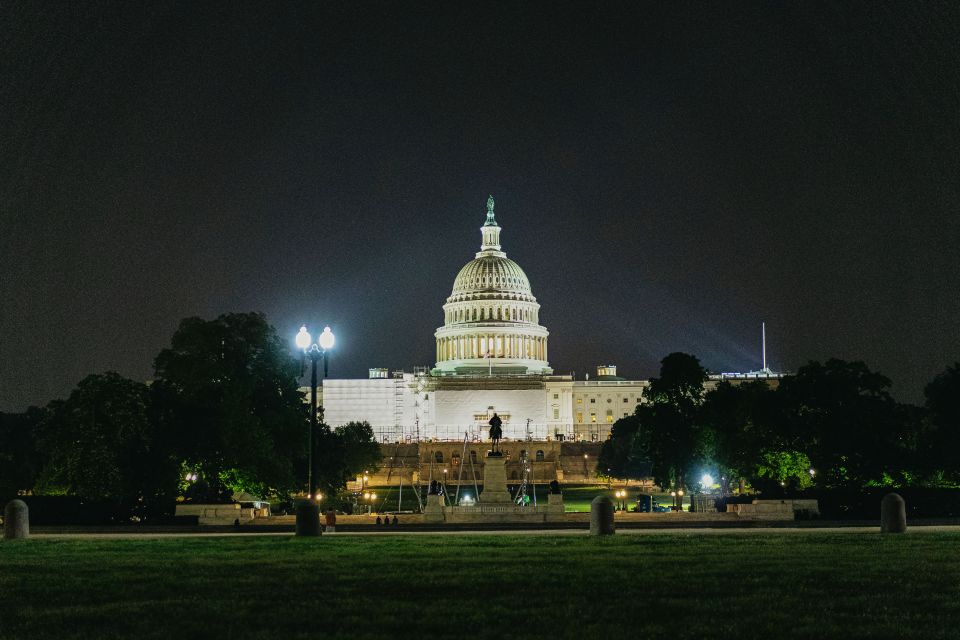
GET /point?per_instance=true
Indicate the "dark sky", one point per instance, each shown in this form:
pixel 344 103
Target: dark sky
pixel 667 175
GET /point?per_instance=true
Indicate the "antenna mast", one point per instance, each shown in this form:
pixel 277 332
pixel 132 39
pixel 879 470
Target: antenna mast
pixel 763 343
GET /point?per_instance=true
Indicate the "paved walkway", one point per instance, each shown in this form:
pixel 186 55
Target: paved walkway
pixel 525 532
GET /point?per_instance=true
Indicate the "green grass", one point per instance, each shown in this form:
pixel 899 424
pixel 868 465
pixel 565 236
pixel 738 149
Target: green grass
pixel 772 585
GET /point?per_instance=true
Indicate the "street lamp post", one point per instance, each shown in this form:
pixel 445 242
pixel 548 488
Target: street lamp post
pixel 308 517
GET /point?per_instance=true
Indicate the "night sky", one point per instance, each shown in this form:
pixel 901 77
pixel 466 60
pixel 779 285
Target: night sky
pixel 667 175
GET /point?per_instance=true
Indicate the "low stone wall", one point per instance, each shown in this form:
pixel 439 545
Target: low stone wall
pixel 220 513
pixel 672 517
pixel 774 509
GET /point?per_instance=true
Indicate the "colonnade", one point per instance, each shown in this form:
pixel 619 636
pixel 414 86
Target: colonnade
pixel 498 345
pixel 473 313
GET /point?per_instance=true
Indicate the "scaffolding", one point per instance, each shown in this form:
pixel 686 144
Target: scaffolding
pixel 398 393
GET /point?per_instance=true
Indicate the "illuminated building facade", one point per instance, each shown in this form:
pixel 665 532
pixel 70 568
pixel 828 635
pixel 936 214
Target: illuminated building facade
pixel 491 357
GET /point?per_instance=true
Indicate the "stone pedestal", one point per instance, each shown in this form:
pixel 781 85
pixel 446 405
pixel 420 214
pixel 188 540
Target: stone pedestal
pixel 495 481
pixel 16 520
pixel 601 516
pixel 893 514
pixel 308 519
pixel 555 503
pixel 433 510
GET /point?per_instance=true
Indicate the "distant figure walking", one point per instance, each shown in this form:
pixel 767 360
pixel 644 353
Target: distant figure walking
pixel 379 521
pixel 395 521
pixel 496 432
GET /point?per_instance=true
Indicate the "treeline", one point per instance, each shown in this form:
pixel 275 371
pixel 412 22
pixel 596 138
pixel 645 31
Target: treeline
pixel 224 414
pixel 830 425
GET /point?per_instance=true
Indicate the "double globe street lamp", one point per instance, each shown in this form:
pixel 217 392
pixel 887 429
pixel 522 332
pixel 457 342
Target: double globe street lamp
pixel 308 512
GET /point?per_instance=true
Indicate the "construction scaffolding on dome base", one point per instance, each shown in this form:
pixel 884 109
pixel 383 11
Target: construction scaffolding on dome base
pixel 533 432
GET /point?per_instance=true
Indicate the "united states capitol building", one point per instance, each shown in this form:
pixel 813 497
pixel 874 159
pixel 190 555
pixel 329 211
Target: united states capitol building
pixel 491 357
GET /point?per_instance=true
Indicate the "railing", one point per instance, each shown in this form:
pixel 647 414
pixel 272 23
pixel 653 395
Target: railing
pixel 513 433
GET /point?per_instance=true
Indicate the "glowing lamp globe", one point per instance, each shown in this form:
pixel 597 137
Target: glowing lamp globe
pixel 303 338
pixel 707 480
pixel 326 339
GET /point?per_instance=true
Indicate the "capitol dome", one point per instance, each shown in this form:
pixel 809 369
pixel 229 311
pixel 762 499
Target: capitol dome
pixel 491 319
pixel 488 273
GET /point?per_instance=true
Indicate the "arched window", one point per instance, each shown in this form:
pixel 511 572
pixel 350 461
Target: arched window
pixel 539 455
pixel 438 456
pixel 473 457
pixel 523 454
pixel 455 459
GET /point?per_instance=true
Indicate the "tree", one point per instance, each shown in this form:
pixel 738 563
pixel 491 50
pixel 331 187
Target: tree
pixel 942 439
pixel 734 416
pixel 20 461
pixel 617 456
pixel 668 432
pixel 102 444
pixel 227 392
pixel 842 416
pixel 344 453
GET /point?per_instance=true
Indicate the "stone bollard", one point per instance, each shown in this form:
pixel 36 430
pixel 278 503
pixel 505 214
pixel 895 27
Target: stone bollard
pixel 601 517
pixel 308 519
pixel 893 514
pixel 16 520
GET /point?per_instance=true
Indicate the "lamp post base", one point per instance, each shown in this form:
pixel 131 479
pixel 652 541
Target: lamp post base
pixel 308 519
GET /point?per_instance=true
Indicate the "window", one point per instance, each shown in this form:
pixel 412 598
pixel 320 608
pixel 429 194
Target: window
pixel 523 454
pixel 579 400
pixel 473 457
pixel 579 416
pixel 593 401
pixel 625 414
pixel 556 396
pixel 455 459
pixel 539 455
pixel 556 414
pixel 625 400
pixel 609 400
pixel 438 456
pixel 593 418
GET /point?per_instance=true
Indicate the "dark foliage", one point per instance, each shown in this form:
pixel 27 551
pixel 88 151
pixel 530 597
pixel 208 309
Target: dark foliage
pixel 227 393
pixel 20 460
pixel 103 446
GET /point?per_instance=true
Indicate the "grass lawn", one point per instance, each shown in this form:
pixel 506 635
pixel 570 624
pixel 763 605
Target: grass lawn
pixel 795 585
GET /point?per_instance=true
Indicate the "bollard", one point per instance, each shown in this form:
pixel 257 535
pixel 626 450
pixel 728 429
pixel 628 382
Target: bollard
pixel 16 520
pixel 308 519
pixel 893 514
pixel 601 516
